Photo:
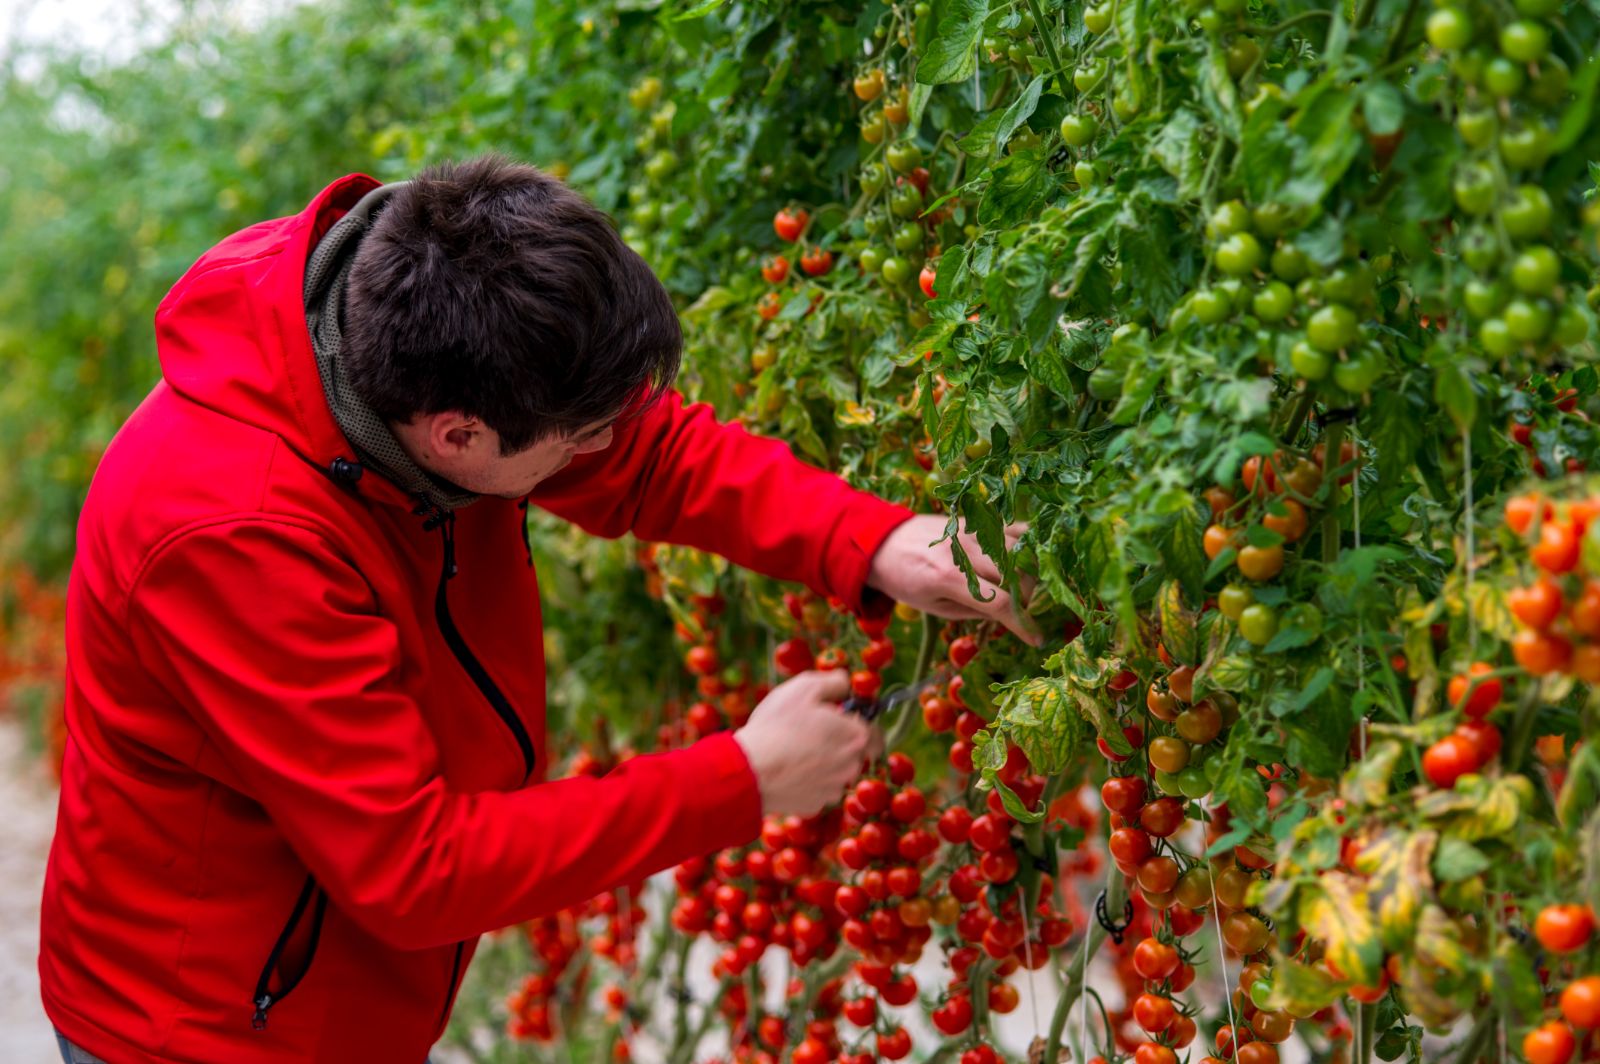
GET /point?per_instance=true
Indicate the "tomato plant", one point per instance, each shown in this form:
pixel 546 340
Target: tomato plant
pixel 1274 326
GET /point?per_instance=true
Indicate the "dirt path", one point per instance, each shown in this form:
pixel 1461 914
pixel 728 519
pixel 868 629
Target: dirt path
pixel 27 820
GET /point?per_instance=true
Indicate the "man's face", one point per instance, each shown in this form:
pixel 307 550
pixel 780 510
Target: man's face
pixel 465 451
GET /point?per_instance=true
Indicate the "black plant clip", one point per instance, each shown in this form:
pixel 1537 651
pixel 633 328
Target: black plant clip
pixel 1116 931
pixel 1337 416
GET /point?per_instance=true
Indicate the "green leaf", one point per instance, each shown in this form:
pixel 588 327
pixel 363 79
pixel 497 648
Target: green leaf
pixel 1575 120
pixel 1016 185
pixel 1177 147
pixel 1017 114
pixel 1180 633
pixel 952 55
pixel 1329 143
pixel 1456 859
pixel 1182 553
pixel 1042 717
pixel 1452 387
pixel 1383 107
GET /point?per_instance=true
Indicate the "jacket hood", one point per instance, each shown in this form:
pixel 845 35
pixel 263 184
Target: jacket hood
pixel 232 335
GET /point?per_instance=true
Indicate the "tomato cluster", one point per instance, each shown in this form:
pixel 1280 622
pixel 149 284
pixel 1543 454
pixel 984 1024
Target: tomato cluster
pixel 1559 610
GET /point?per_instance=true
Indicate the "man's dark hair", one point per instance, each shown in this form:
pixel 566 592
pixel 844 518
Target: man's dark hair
pixel 491 288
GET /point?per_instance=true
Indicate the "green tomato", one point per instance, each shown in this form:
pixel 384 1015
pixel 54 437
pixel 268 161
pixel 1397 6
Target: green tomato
pixel 1125 105
pixel 1349 284
pixel 1192 782
pixel 1468 65
pixel 903 156
pixel 1258 624
pixel 661 164
pixel 1211 306
pixel 645 215
pixel 1089 74
pixel 1477 126
pixel 1079 129
pixel 1167 783
pixel 1308 362
pixel 871 260
pixel 1551 82
pixel 1242 55
pixel 1449 29
pixel 1210 20
pixel 1528 213
pixel 895 270
pixel 1309 291
pixel 1495 338
pixel 1289 263
pixel 1129 332
pixel 1305 617
pixel 1536 271
pixel 1527 320
pixel 1526 148
pixel 1503 78
pixel 908 237
pixel 1097 18
pixel 1474 188
pixel 1233 599
pixel 1229 218
pixel 1483 299
pixel 1261 992
pixel 872 178
pixel 1105 383
pixel 1332 327
pixel 1524 41
pixel 1083 173
pixel 921 9
pixel 1480 251
pixel 1274 219
pixel 1571 327
pixel 1358 373
pixel 906 202
pixel 1239 255
pixel 1273 301
pixel 1238 295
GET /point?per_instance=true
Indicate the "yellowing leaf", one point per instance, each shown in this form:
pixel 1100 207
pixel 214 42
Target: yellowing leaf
pixel 1338 911
pixel 1367 782
pixel 853 413
pixel 1179 633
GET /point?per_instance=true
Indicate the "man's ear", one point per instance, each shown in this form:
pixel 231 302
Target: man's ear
pixel 452 433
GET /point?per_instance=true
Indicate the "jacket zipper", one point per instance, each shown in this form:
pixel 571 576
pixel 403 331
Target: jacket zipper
pixel 527 541
pixel 458 647
pixel 455 977
pixel 264 998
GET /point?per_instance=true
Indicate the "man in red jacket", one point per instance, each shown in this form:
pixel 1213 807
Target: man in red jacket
pixel 305 688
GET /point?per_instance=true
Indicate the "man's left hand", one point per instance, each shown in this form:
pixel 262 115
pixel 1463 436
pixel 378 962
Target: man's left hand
pixel 914 567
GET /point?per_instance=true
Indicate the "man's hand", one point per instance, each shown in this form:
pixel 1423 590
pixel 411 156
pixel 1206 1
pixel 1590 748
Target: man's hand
pixel 909 568
pixel 802 748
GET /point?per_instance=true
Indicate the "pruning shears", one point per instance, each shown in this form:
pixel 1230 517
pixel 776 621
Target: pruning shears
pixel 870 709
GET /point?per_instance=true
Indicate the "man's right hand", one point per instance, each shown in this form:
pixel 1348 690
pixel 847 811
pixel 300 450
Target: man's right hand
pixel 803 749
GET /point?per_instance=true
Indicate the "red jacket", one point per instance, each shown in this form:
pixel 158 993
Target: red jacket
pixel 304 771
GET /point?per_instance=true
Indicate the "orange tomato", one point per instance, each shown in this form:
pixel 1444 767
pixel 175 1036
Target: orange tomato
pixel 1261 563
pixel 1557 549
pixel 1218 539
pixel 1584 616
pixel 1580 1002
pixel 1549 1043
pixel 1484 697
pixel 1537 605
pixel 1541 653
pixel 1521 510
pixel 1259 470
pixel 1586 662
pixel 1221 500
pixel 1292 525
pixel 1564 928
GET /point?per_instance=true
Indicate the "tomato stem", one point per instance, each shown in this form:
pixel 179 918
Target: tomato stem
pixel 1116 894
pixel 1049 45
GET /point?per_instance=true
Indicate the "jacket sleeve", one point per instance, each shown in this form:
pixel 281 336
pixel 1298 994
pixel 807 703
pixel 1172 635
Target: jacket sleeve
pixel 674 474
pixel 273 643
